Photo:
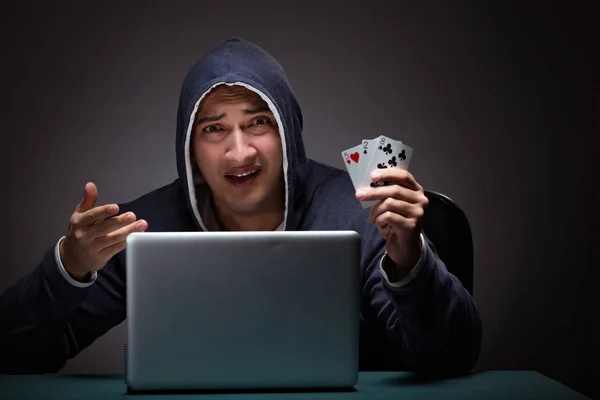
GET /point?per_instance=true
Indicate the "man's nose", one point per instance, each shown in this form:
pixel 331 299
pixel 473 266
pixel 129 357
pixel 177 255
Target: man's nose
pixel 240 149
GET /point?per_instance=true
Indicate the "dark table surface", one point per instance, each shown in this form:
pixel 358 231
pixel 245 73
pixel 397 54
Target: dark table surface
pixel 371 385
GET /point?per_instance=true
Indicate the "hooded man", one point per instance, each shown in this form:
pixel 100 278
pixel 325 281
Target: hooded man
pixel 242 166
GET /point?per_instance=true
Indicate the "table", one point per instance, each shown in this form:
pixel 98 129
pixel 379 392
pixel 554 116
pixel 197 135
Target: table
pixel 371 385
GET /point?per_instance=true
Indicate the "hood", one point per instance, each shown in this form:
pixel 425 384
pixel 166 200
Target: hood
pixel 238 62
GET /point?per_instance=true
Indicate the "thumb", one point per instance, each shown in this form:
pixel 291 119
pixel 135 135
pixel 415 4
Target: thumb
pixel 90 196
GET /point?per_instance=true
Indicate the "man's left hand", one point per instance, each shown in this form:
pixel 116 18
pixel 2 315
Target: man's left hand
pixel 398 215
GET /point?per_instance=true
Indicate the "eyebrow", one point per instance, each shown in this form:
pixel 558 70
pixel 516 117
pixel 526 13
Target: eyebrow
pixel 211 119
pixel 246 112
pixel 257 110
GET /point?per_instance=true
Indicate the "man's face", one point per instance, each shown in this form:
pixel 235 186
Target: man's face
pixel 238 150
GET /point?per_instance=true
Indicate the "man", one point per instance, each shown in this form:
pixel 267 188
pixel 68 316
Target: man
pixel 242 166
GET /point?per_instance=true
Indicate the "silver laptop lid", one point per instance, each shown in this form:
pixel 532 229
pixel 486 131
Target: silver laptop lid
pixel 237 310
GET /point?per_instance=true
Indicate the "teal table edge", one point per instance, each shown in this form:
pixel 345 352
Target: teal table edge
pixel 370 385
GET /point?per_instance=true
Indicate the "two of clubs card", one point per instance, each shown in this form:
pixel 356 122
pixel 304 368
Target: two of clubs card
pixel 378 153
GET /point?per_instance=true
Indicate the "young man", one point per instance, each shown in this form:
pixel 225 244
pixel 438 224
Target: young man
pixel 242 166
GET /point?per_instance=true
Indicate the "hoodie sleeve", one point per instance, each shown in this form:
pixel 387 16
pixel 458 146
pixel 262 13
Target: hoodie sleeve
pixel 430 313
pixel 46 320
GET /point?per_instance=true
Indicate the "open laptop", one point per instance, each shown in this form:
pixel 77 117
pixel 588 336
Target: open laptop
pixel 242 310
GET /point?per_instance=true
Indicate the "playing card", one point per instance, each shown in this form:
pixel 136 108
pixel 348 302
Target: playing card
pixel 357 160
pixel 389 153
pixel 381 152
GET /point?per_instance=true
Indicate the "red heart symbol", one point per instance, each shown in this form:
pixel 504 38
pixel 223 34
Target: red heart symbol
pixel 355 157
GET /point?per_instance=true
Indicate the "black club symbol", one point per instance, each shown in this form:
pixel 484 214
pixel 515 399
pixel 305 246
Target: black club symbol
pixel 387 149
pixel 393 162
pixel 381 165
pixel 378 184
pixel 402 155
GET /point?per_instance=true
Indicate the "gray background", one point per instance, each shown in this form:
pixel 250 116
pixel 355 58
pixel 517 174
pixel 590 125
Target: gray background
pixel 496 103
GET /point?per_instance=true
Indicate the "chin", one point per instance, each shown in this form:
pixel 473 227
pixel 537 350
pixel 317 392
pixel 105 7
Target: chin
pixel 249 201
pixel 248 205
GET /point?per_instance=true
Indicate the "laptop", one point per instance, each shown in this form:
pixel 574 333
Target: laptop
pixel 221 311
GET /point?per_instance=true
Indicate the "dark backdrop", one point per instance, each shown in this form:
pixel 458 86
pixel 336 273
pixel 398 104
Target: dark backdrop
pixel 496 102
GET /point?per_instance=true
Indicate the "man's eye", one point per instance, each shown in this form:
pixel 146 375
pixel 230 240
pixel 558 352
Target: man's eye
pixel 211 128
pixel 261 121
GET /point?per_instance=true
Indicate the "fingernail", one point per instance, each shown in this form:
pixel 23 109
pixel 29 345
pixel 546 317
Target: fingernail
pixel 361 194
pixel 375 175
pixel 140 226
pixel 112 209
pixel 129 217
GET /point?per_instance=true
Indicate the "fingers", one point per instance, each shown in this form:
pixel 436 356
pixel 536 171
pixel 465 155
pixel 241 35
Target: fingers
pixel 95 215
pixel 86 214
pixel 111 224
pixel 403 208
pixel 390 191
pixel 395 221
pixel 90 196
pixel 396 175
pixel 110 239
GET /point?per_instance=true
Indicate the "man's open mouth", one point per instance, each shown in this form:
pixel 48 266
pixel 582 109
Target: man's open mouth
pixel 244 177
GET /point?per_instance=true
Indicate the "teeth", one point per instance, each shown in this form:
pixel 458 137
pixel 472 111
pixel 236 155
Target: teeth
pixel 246 174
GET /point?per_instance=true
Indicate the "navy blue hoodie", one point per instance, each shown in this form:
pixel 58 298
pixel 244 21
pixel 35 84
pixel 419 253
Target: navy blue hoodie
pixel 427 323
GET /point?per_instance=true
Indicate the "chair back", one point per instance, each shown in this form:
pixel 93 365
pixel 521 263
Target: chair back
pixel 447 227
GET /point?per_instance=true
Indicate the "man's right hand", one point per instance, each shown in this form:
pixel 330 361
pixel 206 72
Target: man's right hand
pixel 95 234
